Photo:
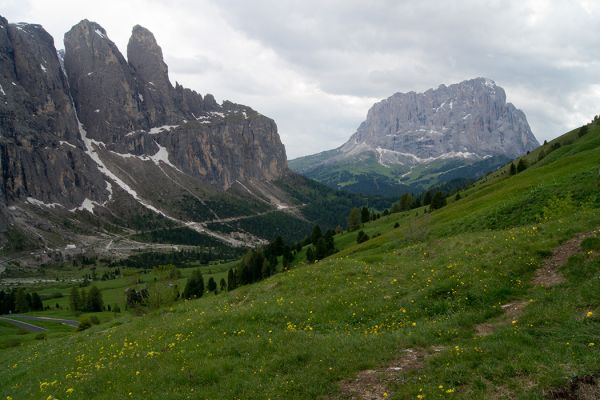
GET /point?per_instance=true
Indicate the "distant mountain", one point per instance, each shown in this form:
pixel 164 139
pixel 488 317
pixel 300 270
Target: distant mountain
pixel 97 151
pixel 413 141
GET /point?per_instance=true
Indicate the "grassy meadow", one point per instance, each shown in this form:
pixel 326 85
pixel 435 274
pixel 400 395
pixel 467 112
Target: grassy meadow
pixel 425 285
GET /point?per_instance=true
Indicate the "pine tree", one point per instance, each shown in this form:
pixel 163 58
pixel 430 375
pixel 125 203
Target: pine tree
pixel 21 303
pixel 513 169
pixel 194 287
pixel 365 215
pixel 438 200
pixel 354 219
pixel 211 285
pixel 316 234
pixel 231 284
pixel 95 302
pixel 310 255
pixel 361 237
pixel 522 165
pixel 222 284
pixel 36 302
pixel 75 300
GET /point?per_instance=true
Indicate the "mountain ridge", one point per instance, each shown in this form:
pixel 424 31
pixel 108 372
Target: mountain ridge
pixel 470 121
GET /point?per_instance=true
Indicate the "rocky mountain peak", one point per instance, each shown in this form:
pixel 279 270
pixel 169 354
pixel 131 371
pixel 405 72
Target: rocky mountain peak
pixel 156 95
pixel 102 85
pixel 469 119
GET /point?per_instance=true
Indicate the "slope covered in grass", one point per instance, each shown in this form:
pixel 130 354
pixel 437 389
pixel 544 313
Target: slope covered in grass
pixel 426 284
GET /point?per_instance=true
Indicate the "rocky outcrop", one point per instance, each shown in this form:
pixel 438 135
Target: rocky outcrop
pixel 41 155
pixel 470 119
pixel 156 94
pixel 64 117
pixel 102 84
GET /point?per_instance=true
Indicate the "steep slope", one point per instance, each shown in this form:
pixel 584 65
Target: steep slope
pixel 411 141
pixel 420 290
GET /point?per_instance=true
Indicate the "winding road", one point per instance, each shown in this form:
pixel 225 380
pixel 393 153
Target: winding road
pixel 34 328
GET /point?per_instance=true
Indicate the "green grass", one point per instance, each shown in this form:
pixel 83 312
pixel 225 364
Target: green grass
pixel 426 283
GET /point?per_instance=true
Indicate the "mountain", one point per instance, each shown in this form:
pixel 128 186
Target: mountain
pixel 413 141
pixel 96 151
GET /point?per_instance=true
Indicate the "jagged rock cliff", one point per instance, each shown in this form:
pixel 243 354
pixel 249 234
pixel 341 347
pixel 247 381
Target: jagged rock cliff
pixel 88 130
pixel 468 119
pixel 41 152
pixel 409 133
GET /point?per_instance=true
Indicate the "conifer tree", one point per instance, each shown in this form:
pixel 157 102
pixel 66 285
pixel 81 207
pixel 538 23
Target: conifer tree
pixel 94 300
pixel 354 219
pixel 75 300
pixel 211 285
pixel 194 287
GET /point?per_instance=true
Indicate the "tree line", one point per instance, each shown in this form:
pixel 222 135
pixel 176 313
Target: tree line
pixel 19 301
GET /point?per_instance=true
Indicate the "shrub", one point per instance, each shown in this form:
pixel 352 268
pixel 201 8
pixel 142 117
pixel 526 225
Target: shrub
pixel 84 324
pixel 361 237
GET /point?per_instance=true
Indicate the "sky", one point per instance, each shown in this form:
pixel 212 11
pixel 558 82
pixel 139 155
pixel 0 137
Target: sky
pixel 317 66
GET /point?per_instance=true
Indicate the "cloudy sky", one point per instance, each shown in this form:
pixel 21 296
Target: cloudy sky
pixel 316 66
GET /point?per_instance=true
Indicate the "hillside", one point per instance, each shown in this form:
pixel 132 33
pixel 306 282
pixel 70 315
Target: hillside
pixel 469 301
pixel 411 142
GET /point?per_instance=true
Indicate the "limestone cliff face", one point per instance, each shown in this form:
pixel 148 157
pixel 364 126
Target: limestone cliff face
pixel 132 108
pixel 156 94
pixel 41 153
pixel 102 84
pixel 84 130
pixel 468 119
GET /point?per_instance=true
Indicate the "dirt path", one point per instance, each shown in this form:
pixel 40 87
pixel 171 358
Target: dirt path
pixel 549 274
pixel 372 384
pixel 546 276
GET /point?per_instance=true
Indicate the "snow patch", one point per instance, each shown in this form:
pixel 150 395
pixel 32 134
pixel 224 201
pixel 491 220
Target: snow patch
pixel 140 97
pixel 109 190
pixel 157 130
pixel 419 160
pixel 40 203
pixel 63 143
pixel 87 205
pixel 43 68
pixel 467 116
pixel 90 73
pixel 14 84
pixel 161 155
pixel 99 33
pixel 2 90
pixel 96 110
pixel 217 113
pixel 70 247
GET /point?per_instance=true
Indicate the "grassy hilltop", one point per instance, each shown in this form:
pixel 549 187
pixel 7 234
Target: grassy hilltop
pixel 414 312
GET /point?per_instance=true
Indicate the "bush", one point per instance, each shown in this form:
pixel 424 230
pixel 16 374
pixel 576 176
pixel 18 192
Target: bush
pixel 396 225
pixel 94 320
pixel 84 324
pixel 361 237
